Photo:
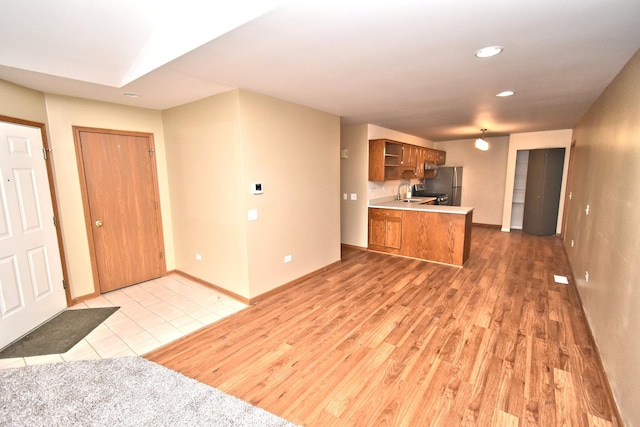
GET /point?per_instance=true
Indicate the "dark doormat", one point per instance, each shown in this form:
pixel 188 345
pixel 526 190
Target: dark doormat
pixel 59 334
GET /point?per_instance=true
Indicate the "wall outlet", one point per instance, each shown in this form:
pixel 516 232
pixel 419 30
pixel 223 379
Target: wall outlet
pixel 586 276
pixel 198 257
pixel 252 215
pixel 572 243
pixel 287 259
pixel 344 196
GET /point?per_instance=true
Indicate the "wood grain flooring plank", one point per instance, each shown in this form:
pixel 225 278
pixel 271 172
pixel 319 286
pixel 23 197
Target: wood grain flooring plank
pixel 590 383
pixel 598 422
pixel 504 419
pixel 568 408
pixel 385 340
pixel 542 399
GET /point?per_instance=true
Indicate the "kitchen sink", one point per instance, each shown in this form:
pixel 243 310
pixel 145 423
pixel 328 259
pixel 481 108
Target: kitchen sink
pixel 412 200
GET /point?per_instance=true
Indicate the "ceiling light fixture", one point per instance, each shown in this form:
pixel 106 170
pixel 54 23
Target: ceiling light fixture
pixel 489 51
pixel 506 93
pixel 481 144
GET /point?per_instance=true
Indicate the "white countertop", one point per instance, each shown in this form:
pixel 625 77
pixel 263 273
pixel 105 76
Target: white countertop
pixel 392 203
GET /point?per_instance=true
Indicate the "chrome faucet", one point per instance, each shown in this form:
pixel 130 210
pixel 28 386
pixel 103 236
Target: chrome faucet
pixel 407 192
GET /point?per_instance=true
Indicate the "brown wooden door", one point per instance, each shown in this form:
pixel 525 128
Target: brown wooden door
pixel 122 210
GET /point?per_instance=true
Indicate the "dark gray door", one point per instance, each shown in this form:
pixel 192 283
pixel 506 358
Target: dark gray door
pixel 542 195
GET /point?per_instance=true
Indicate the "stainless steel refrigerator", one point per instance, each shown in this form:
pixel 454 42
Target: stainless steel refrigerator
pixel 448 181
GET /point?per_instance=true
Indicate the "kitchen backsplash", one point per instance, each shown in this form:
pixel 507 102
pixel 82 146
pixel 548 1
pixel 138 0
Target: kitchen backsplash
pixel 379 189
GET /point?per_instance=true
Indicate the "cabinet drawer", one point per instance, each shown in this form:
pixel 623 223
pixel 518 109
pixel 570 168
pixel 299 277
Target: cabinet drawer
pixel 385 213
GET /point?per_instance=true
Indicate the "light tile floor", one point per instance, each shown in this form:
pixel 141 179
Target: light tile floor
pixel 151 314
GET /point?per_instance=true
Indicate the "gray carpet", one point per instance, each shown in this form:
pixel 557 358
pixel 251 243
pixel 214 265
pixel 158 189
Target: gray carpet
pixel 129 391
pixel 59 334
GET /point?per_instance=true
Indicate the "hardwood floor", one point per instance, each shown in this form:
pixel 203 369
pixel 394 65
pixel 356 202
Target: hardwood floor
pixel 384 340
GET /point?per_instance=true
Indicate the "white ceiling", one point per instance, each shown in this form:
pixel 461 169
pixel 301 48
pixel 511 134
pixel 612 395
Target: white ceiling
pixel 401 64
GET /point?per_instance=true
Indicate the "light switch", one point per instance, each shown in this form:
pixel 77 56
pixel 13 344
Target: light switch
pixel 354 196
pixel 344 196
pixel 253 215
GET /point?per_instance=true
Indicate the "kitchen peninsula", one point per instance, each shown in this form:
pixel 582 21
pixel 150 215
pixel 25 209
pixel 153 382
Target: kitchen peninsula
pixel 414 228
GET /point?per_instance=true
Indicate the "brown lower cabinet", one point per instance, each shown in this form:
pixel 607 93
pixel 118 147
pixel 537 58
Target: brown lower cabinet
pixel 432 236
pixel 385 230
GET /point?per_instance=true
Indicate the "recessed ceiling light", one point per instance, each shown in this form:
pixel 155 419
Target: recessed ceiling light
pixel 131 95
pixel 489 51
pixel 506 93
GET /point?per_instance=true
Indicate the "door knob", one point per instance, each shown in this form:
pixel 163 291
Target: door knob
pixel 98 223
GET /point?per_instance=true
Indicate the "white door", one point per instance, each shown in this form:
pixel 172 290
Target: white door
pixel 31 287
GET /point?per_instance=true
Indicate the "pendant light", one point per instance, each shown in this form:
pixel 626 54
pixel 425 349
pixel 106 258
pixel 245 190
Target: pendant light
pixel 481 144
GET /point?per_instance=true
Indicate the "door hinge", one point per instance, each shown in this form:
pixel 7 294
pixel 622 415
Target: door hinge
pixel 64 284
pixel 44 152
pixel 150 151
pixel 55 221
pixel 161 254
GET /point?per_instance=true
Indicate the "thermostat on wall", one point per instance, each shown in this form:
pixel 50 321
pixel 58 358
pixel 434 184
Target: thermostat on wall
pixel 256 187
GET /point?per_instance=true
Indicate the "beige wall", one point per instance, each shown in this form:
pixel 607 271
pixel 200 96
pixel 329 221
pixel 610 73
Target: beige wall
pixel 22 103
pixel 606 174
pixel 534 141
pixel 294 152
pixel 483 178
pixel 377 132
pixel 65 112
pixel 217 148
pixel 354 172
pixel 204 158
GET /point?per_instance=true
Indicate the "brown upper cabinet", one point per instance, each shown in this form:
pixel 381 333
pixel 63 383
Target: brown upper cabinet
pixel 409 155
pixel 392 160
pixel 423 154
pixel 385 160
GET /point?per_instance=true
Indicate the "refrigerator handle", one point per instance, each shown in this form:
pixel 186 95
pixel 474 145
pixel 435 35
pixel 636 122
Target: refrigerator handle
pixel 455 177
